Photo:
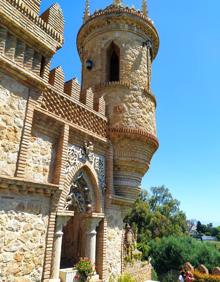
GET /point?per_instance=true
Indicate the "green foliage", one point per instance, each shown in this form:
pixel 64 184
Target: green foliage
pixel 170 253
pixel 125 278
pixel 170 276
pixel 156 215
pixel 216 244
pixel 154 275
pixel 85 269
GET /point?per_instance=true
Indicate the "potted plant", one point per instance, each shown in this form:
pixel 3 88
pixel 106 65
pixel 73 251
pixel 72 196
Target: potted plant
pixel 85 269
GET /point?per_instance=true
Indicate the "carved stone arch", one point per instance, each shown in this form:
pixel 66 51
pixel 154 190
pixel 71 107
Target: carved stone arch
pixel 91 175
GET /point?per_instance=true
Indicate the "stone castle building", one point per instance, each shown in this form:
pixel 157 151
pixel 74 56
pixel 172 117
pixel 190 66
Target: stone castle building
pixel 71 156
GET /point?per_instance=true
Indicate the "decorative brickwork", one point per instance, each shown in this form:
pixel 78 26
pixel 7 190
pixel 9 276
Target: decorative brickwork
pixel 68 110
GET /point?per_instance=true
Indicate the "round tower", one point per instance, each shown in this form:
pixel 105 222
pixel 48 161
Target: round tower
pixel 117 46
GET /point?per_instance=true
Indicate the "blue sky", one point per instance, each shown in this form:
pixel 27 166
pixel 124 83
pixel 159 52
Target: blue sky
pixel 186 80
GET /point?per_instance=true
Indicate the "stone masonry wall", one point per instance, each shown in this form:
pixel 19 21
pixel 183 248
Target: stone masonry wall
pixel 41 157
pixel 133 58
pixel 140 271
pixel 13 100
pixel 23 228
pixel 135 110
pixel 114 241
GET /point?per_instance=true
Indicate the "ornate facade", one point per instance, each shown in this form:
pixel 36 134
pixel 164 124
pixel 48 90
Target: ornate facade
pixel 71 156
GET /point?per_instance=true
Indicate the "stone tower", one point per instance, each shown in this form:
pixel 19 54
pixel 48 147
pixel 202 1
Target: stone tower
pixel 117 46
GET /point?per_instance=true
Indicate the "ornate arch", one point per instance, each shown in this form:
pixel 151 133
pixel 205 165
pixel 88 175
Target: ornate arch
pixel 90 172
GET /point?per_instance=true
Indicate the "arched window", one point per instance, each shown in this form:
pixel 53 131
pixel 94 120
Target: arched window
pixel 113 63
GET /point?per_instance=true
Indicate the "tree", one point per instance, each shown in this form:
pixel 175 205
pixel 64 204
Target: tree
pixel 157 214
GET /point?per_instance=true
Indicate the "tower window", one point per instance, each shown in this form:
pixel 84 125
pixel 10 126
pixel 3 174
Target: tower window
pixel 113 63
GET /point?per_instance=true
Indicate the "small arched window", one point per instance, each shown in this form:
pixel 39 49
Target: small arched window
pixel 113 63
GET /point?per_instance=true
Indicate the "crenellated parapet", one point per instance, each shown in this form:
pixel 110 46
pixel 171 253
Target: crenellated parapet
pixel 54 17
pixel 33 5
pixel 21 18
pixel 72 90
pixel 112 14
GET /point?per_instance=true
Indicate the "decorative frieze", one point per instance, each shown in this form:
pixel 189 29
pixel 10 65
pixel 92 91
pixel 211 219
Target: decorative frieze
pixel 77 154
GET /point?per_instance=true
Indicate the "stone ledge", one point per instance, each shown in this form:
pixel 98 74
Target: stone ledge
pixel 121 201
pixel 19 185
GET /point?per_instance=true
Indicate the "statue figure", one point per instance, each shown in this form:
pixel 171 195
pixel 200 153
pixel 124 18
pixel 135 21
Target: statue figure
pixel 88 148
pixel 129 241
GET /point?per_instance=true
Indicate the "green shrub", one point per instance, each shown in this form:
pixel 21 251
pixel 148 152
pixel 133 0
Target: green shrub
pixel 125 278
pixel 170 253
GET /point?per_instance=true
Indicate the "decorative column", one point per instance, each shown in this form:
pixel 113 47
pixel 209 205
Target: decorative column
pixel 60 223
pixel 90 252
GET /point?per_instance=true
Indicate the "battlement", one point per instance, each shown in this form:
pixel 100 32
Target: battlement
pixel 44 31
pixel 72 89
pixel 54 17
pixel 33 5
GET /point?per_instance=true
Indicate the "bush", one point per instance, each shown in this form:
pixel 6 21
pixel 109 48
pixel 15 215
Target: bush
pixel 126 278
pixel 170 253
pixel 200 277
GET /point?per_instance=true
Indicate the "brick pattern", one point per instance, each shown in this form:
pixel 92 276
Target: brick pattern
pixel 10 46
pixel 61 156
pixel 56 78
pixel 54 17
pixel 66 109
pixel 22 158
pixel 50 239
pixel 101 250
pixel 34 5
pixel 109 175
pixel 28 12
pixel 19 52
pixel 72 88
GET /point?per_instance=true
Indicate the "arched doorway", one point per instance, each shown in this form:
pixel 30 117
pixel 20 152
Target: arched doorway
pixel 80 233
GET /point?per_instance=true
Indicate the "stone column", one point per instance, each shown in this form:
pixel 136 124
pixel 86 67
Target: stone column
pixel 91 225
pixel 61 222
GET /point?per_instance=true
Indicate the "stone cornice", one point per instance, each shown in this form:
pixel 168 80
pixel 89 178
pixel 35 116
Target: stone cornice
pixel 122 15
pixel 16 15
pixel 122 201
pixel 19 185
pixel 133 133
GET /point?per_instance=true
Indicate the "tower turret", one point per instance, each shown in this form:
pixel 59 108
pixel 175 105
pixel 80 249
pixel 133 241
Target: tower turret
pixel 117 46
